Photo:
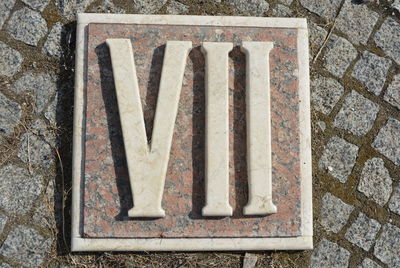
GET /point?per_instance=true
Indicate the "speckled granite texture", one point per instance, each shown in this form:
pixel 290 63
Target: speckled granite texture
pixel 107 193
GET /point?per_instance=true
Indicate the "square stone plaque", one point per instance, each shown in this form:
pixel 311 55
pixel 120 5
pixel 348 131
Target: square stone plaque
pixel 114 210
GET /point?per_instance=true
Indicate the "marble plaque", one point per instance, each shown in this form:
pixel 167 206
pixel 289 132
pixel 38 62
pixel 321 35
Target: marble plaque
pixel 225 163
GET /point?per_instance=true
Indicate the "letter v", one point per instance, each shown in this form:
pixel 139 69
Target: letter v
pixel 147 165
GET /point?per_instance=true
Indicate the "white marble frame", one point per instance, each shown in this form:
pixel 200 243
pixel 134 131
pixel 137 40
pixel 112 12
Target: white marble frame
pixel 305 241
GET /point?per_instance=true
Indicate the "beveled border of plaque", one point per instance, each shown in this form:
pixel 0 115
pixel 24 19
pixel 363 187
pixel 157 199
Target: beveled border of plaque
pixel 79 243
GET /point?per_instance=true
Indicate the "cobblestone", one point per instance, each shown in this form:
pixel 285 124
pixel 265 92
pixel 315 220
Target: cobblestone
pixel 44 214
pixel 392 94
pixel 52 110
pixel 42 85
pixel 334 213
pixel 396 5
pixel 286 2
pixel 10 115
pixel 387 247
pixel 52 46
pixel 317 37
pixel 338 158
pixel 69 8
pixel 388 141
pixel 329 254
pixel 5 8
pixel 250 7
pixel 176 8
pixel 368 263
pixel 394 203
pixel 4 265
pixel 108 7
pixel 363 232
pixel 10 60
pixel 19 189
pixel 281 11
pixel 340 53
pixel 3 221
pixel 388 38
pixel 372 70
pixel 38 5
pixel 357 114
pixel 148 6
pixel 37 146
pixel 356 21
pixel 26 246
pixel 324 8
pixel 27 26
pixel 375 181
pixel 325 93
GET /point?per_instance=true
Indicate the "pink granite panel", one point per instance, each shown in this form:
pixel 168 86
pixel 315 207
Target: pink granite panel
pixel 107 193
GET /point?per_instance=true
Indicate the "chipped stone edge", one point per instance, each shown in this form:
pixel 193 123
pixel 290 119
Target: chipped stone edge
pixel 305 241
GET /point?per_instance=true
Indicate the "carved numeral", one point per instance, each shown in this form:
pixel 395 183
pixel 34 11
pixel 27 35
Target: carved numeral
pixel 147 165
pixel 258 121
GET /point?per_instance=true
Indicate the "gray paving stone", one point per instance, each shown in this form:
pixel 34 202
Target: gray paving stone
pixel 281 11
pixel 38 5
pixel 329 254
pixel 375 181
pixel 69 8
pixel 27 26
pixel 42 85
pixel 5 8
pixel 52 46
pixel 334 213
pixel 47 214
pixel 177 8
pixel 3 221
pixel 148 6
pixel 357 114
pixel 286 2
pixel 39 128
pixel 51 111
pixel 371 70
pixel 325 93
pixel 363 232
pixel 10 115
pixel 324 8
pixel 317 37
pixel 388 38
pixel 356 21
pixel 108 7
pixel 368 263
pixel 10 60
pixel 387 247
pixel 394 203
pixel 26 246
pixel 338 158
pixel 19 189
pixel 388 141
pixel 340 53
pixel 392 94
pixel 4 265
pixel 250 7
pixel 37 146
pixel 396 5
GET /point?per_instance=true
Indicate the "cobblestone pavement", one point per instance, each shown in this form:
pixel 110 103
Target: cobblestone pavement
pixel 355 69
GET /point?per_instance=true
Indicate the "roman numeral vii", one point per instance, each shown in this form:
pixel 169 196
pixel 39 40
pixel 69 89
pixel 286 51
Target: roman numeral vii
pixel 147 163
